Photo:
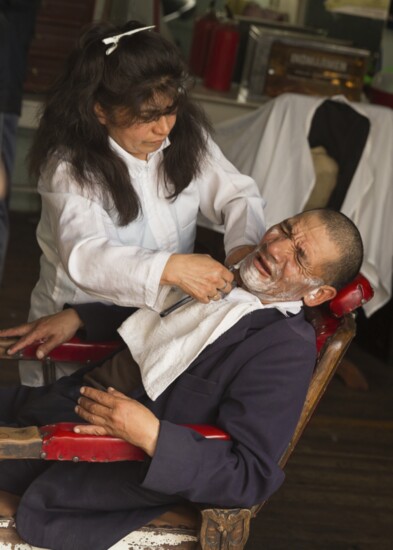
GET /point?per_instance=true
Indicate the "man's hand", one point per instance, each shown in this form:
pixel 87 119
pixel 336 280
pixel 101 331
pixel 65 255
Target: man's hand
pixel 50 331
pixel 113 413
pixel 198 275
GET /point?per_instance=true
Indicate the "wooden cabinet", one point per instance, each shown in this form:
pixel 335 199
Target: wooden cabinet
pixel 58 25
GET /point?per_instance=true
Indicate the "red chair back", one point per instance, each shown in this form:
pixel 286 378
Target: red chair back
pixel 326 319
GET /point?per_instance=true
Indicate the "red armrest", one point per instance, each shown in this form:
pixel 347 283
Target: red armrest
pixel 76 350
pixel 60 442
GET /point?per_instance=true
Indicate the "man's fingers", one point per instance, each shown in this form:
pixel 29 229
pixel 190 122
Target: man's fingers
pixel 116 393
pixel 46 347
pixel 90 429
pixel 98 396
pixel 15 348
pixel 23 343
pixel 90 415
pixel 16 331
pixel 94 407
pixel 105 397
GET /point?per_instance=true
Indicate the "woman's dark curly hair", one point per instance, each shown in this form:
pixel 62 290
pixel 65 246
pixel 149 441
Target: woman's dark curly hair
pixel 143 68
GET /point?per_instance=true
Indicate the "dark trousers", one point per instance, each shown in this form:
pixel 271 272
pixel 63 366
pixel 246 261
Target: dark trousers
pixel 69 506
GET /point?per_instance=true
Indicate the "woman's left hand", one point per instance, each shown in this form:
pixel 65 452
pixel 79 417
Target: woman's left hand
pixel 113 413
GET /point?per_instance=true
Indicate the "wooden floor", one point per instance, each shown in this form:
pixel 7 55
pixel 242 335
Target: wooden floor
pixel 338 493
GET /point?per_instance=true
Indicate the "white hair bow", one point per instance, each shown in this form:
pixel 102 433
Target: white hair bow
pixel 114 40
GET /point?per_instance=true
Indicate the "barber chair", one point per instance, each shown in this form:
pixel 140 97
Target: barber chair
pixel 190 527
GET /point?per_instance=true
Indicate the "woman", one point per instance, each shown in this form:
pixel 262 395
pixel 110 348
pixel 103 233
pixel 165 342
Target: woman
pixel 125 163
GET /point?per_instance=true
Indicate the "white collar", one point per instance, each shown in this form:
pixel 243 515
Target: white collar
pixel 291 307
pixel 286 308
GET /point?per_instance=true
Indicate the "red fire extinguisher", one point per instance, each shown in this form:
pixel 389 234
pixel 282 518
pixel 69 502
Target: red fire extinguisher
pixel 201 39
pixel 222 56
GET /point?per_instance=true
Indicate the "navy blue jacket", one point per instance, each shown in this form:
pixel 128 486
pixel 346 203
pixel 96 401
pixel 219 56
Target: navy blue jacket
pixel 251 382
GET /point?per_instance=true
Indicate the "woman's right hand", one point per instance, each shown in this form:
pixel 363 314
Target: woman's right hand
pixel 49 332
pixel 198 275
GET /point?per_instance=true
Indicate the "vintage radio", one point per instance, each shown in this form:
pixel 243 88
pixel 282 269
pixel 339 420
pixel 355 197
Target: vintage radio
pixel 277 62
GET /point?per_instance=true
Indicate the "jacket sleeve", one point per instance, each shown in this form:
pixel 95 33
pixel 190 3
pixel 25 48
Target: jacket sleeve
pixel 101 321
pixel 259 409
pixel 231 199
pixel 90 250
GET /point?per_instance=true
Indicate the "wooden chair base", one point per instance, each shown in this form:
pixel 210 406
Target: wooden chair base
pixel 151 538
pixel 183 528
pixel 147 538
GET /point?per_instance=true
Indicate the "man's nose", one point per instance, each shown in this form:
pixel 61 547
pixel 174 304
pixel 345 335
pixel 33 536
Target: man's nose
pixel 279 249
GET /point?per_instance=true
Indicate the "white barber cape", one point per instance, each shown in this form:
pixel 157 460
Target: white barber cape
pixel 271 146
pixel 164 347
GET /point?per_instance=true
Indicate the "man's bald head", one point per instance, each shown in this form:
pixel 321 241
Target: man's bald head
pixel 346 237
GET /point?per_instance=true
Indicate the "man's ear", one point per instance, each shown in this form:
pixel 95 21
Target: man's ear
pixel 100 113
pixel 319 295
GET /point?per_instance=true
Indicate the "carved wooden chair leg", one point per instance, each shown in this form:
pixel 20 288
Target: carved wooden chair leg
pixel 224 529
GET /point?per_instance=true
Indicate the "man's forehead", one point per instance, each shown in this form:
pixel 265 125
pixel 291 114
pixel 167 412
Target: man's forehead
pixel 298 221
pixel 304 218
pixel 309 219
pixel 314 234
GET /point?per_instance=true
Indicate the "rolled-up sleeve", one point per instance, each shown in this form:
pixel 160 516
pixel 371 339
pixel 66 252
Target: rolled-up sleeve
pixel 231 199
pixel 85 240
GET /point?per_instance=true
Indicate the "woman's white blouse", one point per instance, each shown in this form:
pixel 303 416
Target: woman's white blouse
pixel 87 256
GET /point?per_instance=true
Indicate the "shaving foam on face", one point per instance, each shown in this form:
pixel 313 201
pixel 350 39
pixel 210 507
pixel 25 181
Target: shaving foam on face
pixel 275 287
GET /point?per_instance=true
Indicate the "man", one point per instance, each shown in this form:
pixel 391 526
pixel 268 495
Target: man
pixel 251 381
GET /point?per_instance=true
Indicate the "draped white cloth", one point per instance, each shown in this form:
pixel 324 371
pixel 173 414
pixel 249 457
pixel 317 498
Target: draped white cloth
pixel 271 146
pixel 165 347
